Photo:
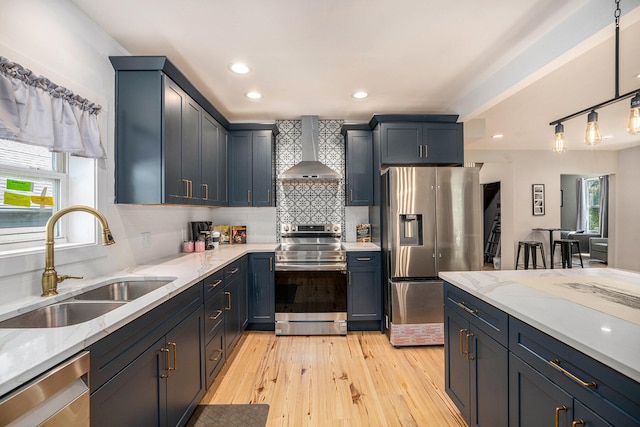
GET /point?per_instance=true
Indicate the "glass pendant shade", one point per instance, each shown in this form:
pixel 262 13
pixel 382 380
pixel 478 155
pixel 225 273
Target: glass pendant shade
pixel 592 135
pixel 633 126
pixel 559 144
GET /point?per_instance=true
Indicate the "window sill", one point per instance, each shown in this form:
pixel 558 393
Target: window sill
pixel 19 261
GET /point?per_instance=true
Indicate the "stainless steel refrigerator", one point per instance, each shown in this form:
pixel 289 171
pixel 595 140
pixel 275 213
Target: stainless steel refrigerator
pixel 430 222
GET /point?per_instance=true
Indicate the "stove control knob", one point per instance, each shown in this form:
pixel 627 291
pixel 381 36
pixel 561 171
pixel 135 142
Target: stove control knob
pixel 336 228
pixel 285 227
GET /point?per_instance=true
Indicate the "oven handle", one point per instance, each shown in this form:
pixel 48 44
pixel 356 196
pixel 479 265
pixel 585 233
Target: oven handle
pixel 340 266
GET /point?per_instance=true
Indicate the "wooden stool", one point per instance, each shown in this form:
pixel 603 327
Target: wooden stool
pixel 530 248
pixel 566 251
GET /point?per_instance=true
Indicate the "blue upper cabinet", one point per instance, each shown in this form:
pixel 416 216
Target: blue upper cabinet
pixel 359 167
pixel 419 139
pixel 251 167
pixel 170 142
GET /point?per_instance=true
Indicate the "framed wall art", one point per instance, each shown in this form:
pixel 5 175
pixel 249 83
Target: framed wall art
pixel 537 199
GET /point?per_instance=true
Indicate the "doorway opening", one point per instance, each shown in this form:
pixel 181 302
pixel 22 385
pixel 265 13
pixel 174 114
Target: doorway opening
pixel 492 225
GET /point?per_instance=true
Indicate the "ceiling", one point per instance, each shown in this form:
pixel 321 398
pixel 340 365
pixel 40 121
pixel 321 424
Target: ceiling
pixel 505 67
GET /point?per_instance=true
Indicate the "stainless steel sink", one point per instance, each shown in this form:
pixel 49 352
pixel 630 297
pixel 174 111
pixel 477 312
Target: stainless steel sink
pixel 64 313
pixel 126 290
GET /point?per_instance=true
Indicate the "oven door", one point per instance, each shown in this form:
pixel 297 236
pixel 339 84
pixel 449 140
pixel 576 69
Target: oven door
pixel 311 302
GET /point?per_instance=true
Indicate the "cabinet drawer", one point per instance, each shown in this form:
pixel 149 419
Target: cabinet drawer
pixel 614 396
pixel 213 284
pixel 485 317
pixel 233 270
pixel 363 259
pixel 214 315
pixel 215 357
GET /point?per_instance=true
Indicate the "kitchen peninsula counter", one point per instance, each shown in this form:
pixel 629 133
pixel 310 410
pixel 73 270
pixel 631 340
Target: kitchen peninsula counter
pixel 595 311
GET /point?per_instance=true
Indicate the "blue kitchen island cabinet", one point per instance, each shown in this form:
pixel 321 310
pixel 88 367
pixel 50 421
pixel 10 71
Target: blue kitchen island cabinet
pixel 364 291
pixel 359 166
pixel 262 290
pixel 251 168
pixel 520 375
pixel 137 376
pixel 476 358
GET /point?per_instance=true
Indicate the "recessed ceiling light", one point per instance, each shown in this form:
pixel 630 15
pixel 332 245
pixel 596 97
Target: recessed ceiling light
pixel 360 95
pixel 253 95
pixel 497 136
pixel 239 68
pixel 638 76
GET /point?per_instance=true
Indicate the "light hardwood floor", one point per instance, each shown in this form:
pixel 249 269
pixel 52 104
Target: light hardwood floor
pixel 357 380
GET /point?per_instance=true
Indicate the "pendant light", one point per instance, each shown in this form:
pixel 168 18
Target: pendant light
pixel 634 116
pixel 559 144
pixel 592 135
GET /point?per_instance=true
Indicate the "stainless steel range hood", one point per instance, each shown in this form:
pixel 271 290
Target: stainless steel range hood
pixel 310 167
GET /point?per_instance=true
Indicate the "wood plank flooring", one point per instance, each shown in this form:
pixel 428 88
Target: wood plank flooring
pixel 357 380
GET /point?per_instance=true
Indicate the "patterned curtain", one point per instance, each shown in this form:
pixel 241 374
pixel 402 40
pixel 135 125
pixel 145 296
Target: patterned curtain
pixel 35 111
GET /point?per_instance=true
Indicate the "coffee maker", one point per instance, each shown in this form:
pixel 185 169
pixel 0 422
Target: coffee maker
pixel 201 230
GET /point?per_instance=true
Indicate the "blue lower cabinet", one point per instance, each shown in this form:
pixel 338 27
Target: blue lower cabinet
pixel 150 372
pixel 364 291
pixel 261 289
pixel 160 387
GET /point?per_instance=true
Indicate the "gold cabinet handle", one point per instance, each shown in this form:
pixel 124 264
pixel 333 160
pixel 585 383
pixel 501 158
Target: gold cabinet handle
pixel 216 316
pixel 556 364
pixel 216 358
pixel 363 259
pixel 462 331
pixel 467 309
pixel 269 196
pixel 186 188
pixel 467 352
pixel 270 263
pixel 191 189
pixel 228 294
pixel 558 409
pixel 248 196
pixel 206 191
pixel 426 151
pixel 351 195
pixel 168 374
pixel 349 278
pixel 234 271
pixel 577 423
pixel 175 356
pixel 214 284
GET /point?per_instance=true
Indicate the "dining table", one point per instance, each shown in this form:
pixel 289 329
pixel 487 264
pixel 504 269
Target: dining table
pixel 551 231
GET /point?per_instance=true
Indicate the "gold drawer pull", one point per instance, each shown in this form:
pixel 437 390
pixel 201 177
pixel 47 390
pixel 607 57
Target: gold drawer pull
pixel 558 409
pixel 577 423
pixel 234 271
pixel 216 283
pixel 556 364
pixel 467 309
pixel 216 316
pixel 363 259
pixel 467 353
pixel 216 358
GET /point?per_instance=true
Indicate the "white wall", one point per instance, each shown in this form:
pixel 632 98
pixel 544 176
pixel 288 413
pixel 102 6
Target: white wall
pixel 518 170
pixel 626 246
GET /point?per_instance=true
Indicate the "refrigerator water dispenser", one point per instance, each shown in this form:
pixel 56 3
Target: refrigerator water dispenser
pixel 411 230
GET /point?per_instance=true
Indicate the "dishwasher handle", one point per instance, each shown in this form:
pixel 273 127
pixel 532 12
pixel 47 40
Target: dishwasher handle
pixel 69 381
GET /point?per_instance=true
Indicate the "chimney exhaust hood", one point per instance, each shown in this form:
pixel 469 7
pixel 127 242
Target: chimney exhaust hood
pixel 310 168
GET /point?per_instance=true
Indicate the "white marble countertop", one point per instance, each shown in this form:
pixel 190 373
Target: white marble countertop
pixel 26 353
pixel 353 246
pixel 610 340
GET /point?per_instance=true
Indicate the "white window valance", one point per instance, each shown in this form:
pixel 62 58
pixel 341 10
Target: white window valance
pixel 36 111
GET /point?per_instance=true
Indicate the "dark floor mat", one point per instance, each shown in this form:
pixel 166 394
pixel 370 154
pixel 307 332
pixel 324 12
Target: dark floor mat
pixel 229 416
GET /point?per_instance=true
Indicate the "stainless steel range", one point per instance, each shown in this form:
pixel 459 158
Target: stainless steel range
pixel 311 280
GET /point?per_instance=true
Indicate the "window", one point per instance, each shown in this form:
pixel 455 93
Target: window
pixel 593 204
pixel 32 184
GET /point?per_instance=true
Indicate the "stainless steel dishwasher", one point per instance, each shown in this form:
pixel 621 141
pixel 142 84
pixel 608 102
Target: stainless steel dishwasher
pixel 59 397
